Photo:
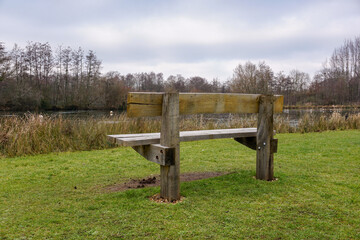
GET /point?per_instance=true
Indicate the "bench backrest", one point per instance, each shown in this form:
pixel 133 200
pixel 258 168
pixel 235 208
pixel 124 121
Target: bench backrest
pixel 148 104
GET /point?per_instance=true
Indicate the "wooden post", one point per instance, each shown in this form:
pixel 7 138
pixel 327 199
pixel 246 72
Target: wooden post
pixel 264 153
pixel 169 137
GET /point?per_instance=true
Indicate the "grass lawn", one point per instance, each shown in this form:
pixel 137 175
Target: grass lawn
pixel 63 196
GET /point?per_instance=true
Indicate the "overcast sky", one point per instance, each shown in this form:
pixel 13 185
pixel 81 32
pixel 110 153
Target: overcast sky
pixel 189 37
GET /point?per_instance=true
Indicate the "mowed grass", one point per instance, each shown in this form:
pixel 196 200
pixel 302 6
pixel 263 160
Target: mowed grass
pixel 63 196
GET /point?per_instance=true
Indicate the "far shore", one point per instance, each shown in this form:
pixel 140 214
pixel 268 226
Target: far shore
pixel 321 106
pixel 354 106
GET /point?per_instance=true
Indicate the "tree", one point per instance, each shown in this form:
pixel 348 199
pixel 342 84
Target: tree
pixel 77 58
pixel 175 83
pixel 92 78
pixel 338 82
pixel 198 84
pixel 251 78
pixel 115 90
pixel 4 62
pixel 216 85
pixel 65 77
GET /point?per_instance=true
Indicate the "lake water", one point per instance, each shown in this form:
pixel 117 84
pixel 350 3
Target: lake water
pixel 83 114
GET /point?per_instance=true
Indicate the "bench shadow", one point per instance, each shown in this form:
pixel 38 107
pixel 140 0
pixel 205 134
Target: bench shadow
pixel 239 183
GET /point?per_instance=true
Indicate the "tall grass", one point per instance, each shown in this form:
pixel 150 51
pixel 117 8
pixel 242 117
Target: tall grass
pixel 309 123
pixel 35 134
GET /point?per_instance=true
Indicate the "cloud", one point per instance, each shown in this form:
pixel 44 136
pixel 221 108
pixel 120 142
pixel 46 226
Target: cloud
pixel 197 37
pixel 208 69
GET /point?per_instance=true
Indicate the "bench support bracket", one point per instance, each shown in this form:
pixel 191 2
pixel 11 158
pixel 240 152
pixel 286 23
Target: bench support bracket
pixel 249 142
pixel 156 153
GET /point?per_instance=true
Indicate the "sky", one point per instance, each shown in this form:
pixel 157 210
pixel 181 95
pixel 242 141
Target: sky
pixel 206 38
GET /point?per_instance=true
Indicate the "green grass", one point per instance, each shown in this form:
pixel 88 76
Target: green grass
pixel 317 195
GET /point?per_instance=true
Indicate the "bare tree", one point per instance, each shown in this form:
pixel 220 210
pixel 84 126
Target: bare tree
pixel 251 78
pixel 198 84
pixel 177 83
pixel 92 83
pixel 65 77
pixel 341 82
pixel 4 62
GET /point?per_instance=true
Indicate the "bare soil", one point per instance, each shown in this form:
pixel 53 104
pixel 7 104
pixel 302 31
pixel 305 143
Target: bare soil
pixel 158 199
pixel 153 181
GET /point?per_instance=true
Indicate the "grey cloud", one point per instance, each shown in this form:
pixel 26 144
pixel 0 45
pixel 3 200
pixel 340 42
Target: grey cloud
pixel 327 24
pixel 201 52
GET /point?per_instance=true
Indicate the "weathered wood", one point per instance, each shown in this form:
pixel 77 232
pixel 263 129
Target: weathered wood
pixel 138 141
pixel 185 136
pixel 112 138
pixel 170 175
pixel 249 142
pixel 157 153
pixel 274 145
pixel 264 156
pixel 150 104
pixel 140 104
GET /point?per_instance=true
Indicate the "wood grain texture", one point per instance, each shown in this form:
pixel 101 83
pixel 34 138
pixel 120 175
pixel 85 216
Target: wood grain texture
pixel 274 145
pixel 150 104
pixel 157 154
pixel 169 137
pixel 185 136
pixel 278 104
pixel 264 155
pixel 114 137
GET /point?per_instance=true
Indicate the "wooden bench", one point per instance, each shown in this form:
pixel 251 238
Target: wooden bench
pixel 164 147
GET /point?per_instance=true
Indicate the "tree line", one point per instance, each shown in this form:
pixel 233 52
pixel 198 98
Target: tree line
pixel 338 82
pixel 37 77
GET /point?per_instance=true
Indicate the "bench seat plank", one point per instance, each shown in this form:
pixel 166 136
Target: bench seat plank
pixel 113 137
pixel 185 136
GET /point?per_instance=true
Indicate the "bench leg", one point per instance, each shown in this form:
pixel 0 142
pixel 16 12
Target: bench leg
pixel 264 140
pixel 169 137
pixel 170 179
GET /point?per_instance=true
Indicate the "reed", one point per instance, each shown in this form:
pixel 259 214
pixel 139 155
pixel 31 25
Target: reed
pixel 36 134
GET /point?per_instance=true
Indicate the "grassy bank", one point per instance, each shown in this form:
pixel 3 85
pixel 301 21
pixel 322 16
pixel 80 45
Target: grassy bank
pixel 35 134
pixel 64 196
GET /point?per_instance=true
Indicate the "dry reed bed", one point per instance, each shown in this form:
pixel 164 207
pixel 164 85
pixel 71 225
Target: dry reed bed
pixel 35 134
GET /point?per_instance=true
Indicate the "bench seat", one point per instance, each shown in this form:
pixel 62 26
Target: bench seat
pixel 140 139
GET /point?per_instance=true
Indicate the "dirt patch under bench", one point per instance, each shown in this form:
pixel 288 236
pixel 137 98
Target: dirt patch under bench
pixel 155 181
